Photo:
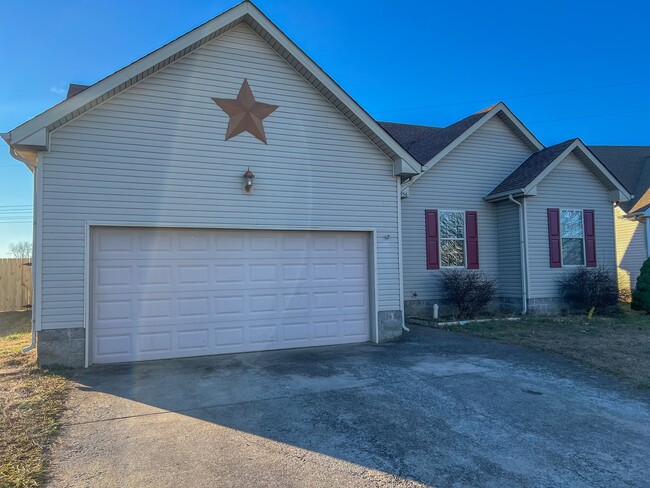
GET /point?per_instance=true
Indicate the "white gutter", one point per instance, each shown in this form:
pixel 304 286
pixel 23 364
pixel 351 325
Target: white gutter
pixel 523 257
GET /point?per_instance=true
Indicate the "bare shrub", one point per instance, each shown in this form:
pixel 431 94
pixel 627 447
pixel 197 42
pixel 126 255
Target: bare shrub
pixel 469 291
pixel 587 288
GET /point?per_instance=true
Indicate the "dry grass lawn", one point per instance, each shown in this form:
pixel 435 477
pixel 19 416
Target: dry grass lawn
pixel 31 403
pixel 615 345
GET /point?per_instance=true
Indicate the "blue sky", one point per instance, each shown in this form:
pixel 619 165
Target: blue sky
pixel 567 69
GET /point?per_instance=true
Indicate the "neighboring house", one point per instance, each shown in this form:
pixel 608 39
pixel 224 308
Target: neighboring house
pixel 631 165
pixel 153 240
pixel 491 197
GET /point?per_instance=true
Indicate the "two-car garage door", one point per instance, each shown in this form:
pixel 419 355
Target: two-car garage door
pixel 164 293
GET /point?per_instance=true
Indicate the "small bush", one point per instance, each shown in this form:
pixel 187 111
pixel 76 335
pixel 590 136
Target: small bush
pixel 468 291
pixel 641 294
pixel 587 288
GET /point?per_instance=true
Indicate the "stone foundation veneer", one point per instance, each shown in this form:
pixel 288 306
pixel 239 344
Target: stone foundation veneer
pixel 390 325
pixel 547 305
pixel 424 308
pixel 66 347
pixel 62 347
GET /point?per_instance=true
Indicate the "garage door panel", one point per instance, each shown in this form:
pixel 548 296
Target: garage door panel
pixel 122 310
pixel 173 293
pixel 191 340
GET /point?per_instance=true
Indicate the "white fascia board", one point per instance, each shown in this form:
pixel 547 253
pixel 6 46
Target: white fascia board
pixel 518 123
pixel 551 166
pixel 92 93
pixel 401 168
pixel 499 107
pixel 619 194
pixel 333 87
pixel 125 74
pixel 505 195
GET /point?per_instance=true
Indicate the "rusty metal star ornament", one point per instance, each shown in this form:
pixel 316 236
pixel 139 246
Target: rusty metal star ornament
pixel 246 113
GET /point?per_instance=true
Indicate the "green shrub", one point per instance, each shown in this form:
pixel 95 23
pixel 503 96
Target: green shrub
pixel 469 291
pixel 641 294
pixel 587 288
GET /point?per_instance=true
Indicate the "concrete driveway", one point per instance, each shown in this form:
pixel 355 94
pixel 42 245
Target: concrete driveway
pixel 435 409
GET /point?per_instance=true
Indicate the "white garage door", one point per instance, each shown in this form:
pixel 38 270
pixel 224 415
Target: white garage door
pixel 164 293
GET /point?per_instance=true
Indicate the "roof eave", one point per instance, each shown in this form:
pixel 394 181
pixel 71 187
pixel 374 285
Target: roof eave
pixel 188 42
pixel 499 107
pixel 505 195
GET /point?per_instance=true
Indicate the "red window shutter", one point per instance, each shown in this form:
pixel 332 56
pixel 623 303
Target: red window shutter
pixel 589 222
pixel 471 239
pixel 431 227
pixel 554 242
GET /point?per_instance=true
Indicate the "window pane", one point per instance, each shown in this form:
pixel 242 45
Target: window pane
pixel 571 223
pixel 452 224
pixel 572 252
pixel 452 253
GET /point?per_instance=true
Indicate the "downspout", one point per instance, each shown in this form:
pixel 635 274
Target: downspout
pixel 523 260
pixel 35 250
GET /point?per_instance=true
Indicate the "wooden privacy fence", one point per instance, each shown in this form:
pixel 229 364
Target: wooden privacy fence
pixel 15 284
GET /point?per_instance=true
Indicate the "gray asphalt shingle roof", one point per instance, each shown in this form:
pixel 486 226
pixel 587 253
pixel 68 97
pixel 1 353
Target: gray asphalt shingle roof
pixel 631 165
pixel 531 168
pixel 423 142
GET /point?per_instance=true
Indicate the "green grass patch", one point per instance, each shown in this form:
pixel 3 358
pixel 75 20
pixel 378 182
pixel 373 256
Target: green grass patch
pixel 31 405
pixel 617 345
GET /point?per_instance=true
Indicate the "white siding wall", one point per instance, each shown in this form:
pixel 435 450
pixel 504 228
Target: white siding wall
pixel 631 250
pixel 570 186
pixel 509 241
pixel 156 153
pixel 459 181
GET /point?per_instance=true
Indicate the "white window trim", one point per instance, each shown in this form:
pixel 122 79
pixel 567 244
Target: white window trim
pixel 584 248
pixel 464 238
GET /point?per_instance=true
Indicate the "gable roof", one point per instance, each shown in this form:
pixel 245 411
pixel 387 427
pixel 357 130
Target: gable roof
pixel 432 145
pixel 426 144
pixel 32 136
pixel 525 178
pixel 527 171
pixel 631 165
pixel 409 135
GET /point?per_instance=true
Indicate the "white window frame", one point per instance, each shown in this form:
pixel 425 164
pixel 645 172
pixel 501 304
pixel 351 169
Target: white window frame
pixel 464 238
pixel 584 249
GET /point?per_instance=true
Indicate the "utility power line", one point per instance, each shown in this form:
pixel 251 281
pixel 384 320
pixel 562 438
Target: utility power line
pixel 593 116
pixel 515 97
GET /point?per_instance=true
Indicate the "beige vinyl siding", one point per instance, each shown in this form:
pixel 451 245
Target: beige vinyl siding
pixel 156 154
pixel 459 182
pixel 509 249
pixel 569 186
pixel 631 250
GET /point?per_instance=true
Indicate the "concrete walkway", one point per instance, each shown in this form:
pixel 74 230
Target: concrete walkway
pixel 436 409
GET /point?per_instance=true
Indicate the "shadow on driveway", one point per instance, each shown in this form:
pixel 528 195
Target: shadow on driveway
pixel 435 409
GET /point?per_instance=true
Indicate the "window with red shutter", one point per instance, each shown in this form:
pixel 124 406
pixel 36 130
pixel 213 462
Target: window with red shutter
pixel 471 238
pixel 431 232
pixel 554 240
pixel 590 237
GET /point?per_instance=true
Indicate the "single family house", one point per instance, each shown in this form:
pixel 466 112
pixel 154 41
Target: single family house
pixel 631 165
pixel 223 194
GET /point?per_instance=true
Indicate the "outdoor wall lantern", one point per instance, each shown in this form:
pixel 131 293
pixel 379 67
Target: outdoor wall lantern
pixel 248 181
